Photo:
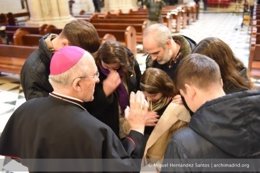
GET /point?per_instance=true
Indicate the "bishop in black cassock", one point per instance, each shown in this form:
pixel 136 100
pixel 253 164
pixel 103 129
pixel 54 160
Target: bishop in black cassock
pixel 56 133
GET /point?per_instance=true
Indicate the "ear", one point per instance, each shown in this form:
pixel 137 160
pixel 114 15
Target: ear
pixel 64 42
pixel 76 84
pixel 168 43
pixel 221 82
pixel 190 91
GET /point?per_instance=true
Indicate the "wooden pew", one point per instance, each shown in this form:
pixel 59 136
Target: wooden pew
pixel 108 20
pixel 128 20
pixel 171 17
pixel 182 9
pixel 21 18
pixel 29 36
pixel 254 61
pixel 255 29
pixel 14 18
pixel 10 31
pixel 21 14
pixel 115 26
pixel 13 57
pixel 24 38
pixel 125 35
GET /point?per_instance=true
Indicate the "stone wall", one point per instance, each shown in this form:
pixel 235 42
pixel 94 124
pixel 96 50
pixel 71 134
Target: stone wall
pixel 13 6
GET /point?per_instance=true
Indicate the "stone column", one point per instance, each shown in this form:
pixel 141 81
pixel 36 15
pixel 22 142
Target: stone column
pixel 124 5
pixel 54 12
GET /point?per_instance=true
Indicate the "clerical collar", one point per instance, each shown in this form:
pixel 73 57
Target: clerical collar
pixel 69 99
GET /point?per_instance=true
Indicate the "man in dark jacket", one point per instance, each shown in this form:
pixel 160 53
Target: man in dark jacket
pixel 164 51
pixel 35 71
pixel 222 126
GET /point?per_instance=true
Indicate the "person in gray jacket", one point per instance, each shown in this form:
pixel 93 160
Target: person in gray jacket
pixel 222 126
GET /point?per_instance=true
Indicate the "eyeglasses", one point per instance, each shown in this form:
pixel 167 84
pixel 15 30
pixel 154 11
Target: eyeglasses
pixel 94 76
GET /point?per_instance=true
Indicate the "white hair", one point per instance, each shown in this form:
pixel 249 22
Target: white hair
pixel 159 32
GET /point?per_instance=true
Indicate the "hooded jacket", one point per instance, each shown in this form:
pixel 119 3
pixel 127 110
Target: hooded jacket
pixel 35 71
pixel 227 127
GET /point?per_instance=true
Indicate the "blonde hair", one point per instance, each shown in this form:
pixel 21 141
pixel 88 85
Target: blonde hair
pixel 155 81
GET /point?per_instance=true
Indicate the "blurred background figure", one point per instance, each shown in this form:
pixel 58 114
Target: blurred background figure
pixel 154 8
pixel 86 5
pixel 71 2
pixel 251 4
pixel 97 5
pixel 140 3
pixel 205 5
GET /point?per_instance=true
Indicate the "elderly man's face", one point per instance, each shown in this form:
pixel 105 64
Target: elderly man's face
pixel 160 54
pixel 90 80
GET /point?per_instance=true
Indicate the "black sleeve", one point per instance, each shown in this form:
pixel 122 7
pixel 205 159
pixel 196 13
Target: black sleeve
pixel 134 144
pixel 33 85
pixel 100 98
pixel 126 153
pixel 175 154
pixel 35 76
pixel 138 74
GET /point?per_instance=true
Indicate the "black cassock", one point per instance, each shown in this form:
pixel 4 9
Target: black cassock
pixel 55 133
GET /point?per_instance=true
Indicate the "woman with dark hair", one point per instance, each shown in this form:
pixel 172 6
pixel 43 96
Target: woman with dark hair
pixel 159 91
pixel 233 72
pixel 119 75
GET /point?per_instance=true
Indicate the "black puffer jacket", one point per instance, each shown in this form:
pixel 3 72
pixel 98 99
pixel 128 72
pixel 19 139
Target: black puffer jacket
pixel 227 127
pixel 36 70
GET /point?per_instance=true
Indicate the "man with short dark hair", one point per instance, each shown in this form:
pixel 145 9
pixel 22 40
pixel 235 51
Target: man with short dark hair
pixel 222 126
pixel 35 71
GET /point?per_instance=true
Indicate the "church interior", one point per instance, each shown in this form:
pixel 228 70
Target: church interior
pixel 24 22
